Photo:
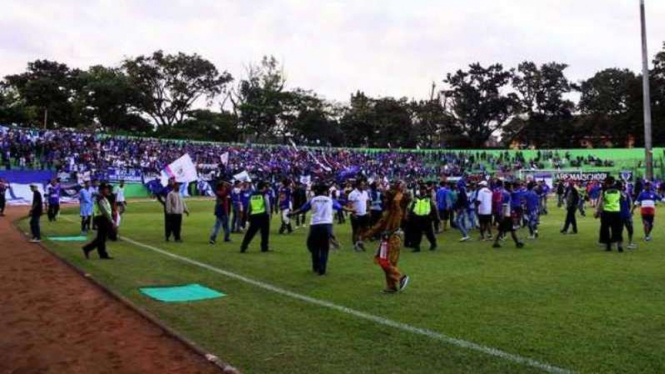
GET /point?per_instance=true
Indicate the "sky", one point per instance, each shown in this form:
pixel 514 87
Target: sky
pixel 382 47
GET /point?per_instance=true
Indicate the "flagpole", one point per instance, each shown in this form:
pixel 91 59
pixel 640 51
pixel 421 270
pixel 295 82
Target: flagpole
pixel 648 146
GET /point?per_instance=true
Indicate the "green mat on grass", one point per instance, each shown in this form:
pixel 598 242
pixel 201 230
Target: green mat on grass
pixel 68 238
pixel 178 294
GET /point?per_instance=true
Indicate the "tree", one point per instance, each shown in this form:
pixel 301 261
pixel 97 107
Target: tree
pixel 541 91
pixel 611 103
pixel 432 122
pixel 169 85
pixel 477 103
pixel 46 88
pixel 310 119
pixel 203 124
pixel 107 97
pixel 357 122
pixel 658 97
pixel 259 99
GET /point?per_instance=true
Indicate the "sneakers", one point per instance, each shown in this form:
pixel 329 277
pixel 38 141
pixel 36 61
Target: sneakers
pixel 496 245
pixel 416 250
pixel 632 246
pixel 35 240
pixel 212 242
pixel 433 248
pixel 648 238
pixel 532 237
pixel 359 246
pixel 403 282
pixel 389 291
pixel 519 245
pixel 465 239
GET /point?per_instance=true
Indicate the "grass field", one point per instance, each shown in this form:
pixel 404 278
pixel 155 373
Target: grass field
pixel 561 301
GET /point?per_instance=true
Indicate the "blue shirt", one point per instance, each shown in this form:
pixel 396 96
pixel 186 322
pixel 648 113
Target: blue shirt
pixel 85 202
pixel 532 201
pixel 285 198
pixel 516 199
pixel 53 193
pixel 442 198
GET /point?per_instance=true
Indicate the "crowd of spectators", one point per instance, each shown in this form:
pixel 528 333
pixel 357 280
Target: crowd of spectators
pixel 74 152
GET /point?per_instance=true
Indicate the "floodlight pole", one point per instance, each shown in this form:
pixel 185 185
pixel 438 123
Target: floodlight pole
pixel 648 146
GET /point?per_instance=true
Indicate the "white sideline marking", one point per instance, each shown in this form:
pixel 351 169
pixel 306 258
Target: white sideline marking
pixel 379 320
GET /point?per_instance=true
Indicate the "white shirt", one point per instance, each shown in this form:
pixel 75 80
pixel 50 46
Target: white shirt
pixel 322 210
pixel 120 194
pixel 485 200
pixel 359 202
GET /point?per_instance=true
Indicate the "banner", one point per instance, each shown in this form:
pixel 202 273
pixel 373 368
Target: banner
pixel 128 175
pixel 581 176
pixel 224 158
pixel 182 169
pixel 243 177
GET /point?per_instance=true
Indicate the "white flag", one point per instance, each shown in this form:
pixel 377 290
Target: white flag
pixel 182 169
pixel 224 158
pixel 243 177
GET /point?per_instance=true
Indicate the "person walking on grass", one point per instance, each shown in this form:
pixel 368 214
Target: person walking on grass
pixel 285 206
pixel 460 206
pixel 423 212
pixel 222 212
pixel 86 206
pixel 532 203
pixel 321 226
pixel 36 212
pixel 483 204
pixel 572 199
pixel 358 201
pixel 627 214
pixel 53 193
pixel 259 218
pixel 387 256
pixel 506 225
pixel 609 212
pixel 175 207
pixel 647 200
pixel 105 224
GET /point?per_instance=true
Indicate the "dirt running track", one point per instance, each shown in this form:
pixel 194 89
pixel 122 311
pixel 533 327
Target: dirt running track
pixel 52 320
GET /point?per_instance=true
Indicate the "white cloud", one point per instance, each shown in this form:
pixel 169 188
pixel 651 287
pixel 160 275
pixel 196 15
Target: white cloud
pixel 384 47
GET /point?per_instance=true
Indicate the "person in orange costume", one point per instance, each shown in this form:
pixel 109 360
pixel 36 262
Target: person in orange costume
pixel 389 226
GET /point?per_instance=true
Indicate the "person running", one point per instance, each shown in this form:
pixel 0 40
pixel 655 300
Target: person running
pixel 571 198
pixel 259 218
pixel 321 226
pixel 285 206
pixel 532 203
pixel 103 217
pixel 387 256
pixel 647 200
pixel 506 225
pixel 609 212
pixel 484 208
pixel 421 211
pixel 86 206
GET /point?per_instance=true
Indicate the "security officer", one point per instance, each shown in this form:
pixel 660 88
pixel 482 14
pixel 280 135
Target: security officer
pixel 259 218
pixel 103 217
pixel 422 212
pixel 609 211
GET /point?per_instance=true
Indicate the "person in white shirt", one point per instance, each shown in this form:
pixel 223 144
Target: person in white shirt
pixel 359 205
pixel 484 205
pixel 120 200
pixel 321 226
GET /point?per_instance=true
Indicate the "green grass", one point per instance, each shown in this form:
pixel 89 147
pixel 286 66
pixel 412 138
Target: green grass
pixel 561 300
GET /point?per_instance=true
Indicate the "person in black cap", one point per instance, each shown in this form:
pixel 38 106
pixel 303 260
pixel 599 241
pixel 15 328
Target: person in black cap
pixel 259 218
pixel 105 224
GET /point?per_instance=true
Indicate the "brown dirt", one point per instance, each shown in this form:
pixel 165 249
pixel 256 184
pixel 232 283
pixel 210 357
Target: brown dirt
pixel 52 320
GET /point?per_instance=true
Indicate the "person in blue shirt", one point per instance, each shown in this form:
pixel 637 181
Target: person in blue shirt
pixel 506 225
pixel 53 198
pixel 86 204
pixel 471 208
pixel 532 203
pixel 516 204
pixel 245 194
pixel 285 206
pixel 461 206
pixel 626 203
pixel 647 200
pixel 443 206
pixel 321 226
pixel 236 207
